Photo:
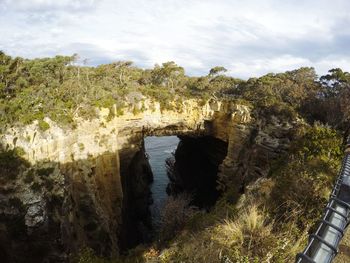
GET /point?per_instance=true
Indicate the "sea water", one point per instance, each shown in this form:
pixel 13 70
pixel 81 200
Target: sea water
pixel 158 150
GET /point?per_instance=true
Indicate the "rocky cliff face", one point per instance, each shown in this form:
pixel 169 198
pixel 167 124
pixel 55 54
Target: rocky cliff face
pixel 73 187
pixel 252 153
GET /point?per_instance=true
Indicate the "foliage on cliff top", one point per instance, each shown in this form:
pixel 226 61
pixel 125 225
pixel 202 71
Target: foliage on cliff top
pixel 301 92
pixel 61 89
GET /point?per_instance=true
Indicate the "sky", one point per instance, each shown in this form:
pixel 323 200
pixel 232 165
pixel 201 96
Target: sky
pixel 249 38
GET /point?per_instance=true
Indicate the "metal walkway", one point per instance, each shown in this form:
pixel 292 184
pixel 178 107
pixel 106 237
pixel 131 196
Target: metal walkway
pixel 323 244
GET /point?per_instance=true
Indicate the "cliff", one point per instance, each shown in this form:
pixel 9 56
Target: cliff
pixel 78 184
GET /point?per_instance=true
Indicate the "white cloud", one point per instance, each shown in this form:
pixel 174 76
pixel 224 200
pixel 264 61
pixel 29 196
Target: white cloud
pixel 258 67
pixel 46 5
pixel 249 38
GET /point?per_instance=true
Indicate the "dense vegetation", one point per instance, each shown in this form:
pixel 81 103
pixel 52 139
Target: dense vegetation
pixel 59 89
pixel 269 223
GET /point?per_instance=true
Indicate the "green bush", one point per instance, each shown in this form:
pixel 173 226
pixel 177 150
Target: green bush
pixel 120 112
pixel 81 146
pixel 44 172
pixel 304 178
pixel 43 125
pixel 19 151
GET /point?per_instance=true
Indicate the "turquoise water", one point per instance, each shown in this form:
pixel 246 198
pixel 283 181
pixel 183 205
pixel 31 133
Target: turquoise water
pixel 158 150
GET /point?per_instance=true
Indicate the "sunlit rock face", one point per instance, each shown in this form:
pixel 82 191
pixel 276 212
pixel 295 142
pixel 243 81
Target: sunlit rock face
pixel 76 186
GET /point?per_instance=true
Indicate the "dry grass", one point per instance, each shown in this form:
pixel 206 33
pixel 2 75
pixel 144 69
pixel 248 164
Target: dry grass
pixel 248 235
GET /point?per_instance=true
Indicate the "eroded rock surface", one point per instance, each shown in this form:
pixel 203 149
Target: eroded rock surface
pixel 77 183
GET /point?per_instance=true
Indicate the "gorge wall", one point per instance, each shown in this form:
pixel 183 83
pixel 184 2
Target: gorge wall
pixel 74 186
pixel 194 169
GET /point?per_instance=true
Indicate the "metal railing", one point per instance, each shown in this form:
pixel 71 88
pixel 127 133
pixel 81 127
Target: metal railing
pixel 323 244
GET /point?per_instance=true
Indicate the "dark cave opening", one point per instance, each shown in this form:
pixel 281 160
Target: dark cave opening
pixel 194 168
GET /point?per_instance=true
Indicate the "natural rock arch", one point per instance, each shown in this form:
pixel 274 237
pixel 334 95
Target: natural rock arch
pixel 88 162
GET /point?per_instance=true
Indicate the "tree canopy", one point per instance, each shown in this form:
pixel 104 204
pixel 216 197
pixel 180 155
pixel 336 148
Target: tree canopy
pixel 61 89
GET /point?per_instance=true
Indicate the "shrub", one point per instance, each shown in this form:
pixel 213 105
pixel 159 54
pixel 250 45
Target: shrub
pixel 251 233
pixel 43 125
pixel 87 255
pixel 176 212
pixel 19 151
pixel 136 111
pixel 44 172
pixel 81 146
pixel 305 177
pixel 120 112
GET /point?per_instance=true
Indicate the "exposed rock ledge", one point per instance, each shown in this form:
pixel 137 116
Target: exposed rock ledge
pixel 75 195
pixel 92 138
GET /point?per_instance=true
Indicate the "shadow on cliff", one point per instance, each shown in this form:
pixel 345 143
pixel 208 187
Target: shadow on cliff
pixel 11 225
pixel 50 210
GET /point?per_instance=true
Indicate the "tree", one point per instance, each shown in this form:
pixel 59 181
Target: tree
pixel 331 104
pixel 169 74
pixel 122 67
pixel 335 82
pixel 216 71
